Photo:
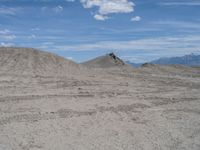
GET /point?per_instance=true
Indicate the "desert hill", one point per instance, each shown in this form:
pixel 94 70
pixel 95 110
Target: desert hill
pixel 32 61
pixel 29 61
pixel 113 107
pixel 107 61
pixel 173 70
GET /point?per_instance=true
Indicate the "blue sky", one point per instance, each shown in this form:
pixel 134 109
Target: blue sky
pixel 137 30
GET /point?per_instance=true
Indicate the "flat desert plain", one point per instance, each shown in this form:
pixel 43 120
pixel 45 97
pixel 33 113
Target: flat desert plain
pixel 50 103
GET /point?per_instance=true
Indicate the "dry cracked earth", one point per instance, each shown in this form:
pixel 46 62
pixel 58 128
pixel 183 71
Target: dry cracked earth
pixel 149 108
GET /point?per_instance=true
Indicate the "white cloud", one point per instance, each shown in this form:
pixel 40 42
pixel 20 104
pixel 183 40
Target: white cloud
pixel 6 44
pixel 106 7
pixel 100 17
pixel 136 18
pixel 70 58
pixel 58 9
pixel 6 35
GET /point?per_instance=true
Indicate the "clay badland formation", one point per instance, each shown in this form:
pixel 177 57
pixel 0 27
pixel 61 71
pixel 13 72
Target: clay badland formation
pixel 50 103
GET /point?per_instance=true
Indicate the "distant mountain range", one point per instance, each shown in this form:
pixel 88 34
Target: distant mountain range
pixel 187 60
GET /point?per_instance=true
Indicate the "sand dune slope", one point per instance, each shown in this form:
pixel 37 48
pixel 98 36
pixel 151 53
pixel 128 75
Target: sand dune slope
pixel 107 61
pixel 32 61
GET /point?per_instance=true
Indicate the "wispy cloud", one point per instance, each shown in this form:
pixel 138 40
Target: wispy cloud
pixel 56 9
pixel 70 0
pixel 4 10
pixel 178 3
pixel 145 49
pixel 6 35
pixel 32 36
pixel 6 44
pixel 178 24
pixel 151 44
pixel 35 29
pixel 133 58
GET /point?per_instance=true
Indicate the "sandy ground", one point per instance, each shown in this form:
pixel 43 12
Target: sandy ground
pixel 150 108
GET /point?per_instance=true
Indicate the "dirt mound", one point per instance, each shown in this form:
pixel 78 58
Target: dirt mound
pixel 32 61
pixel 169 70
pixel 107 61
pixel 148 65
